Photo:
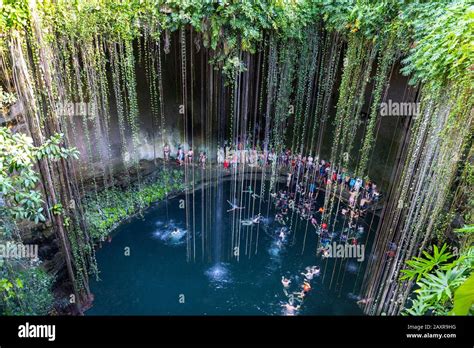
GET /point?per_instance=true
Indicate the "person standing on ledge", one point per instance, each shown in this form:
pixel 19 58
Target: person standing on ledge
pixel 166 152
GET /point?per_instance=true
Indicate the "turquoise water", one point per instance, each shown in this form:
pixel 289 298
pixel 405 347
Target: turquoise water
pixel 155 277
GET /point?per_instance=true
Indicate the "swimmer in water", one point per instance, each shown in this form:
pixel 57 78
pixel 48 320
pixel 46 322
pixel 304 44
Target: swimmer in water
pixel 306 287
pixel 290 309
pixel 282 235
pixel 364 301
pixel 325 252
pixel 315 270
pixel 308 275
pixel 286 282
pixel 234 207
pixel 255 220
pixel 279 218
pixel 300 295
pixel 175 233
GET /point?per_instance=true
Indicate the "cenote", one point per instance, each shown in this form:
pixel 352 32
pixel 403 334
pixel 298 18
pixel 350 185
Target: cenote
pixel 237 157
pixel 157 279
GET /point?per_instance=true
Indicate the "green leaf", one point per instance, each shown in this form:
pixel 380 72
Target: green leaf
pixel 421 266
pixel 464 297
pixel 465 229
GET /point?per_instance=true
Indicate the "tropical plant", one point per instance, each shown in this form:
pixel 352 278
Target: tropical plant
pixel 18 177
pixel 25 292
pixel 104 211
pixel 442 287
pixel 464 298
pixel 25 289
pixel 6 99
pixel 420 266
pixel 465 229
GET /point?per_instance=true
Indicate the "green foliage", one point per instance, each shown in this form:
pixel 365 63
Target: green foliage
pixel 442 30
pixel 442 287
pixel 436 286
pixel 371 19
pixel 6 99
pixel 464 297
pixel 420 267
pixel 18 178
pixel 25 289
pixel 57 209
pixel 106 210
pixel 14 14
pixel 465 229
pixel 443 48
pixel 25 292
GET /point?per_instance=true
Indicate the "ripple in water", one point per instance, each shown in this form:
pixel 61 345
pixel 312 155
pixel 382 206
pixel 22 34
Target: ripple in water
pixel 352 267
pixel 219 275
pixel 353 296
pixel 170 233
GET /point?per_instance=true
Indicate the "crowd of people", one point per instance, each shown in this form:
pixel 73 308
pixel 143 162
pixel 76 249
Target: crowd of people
pixel 306 177
pixel 308 172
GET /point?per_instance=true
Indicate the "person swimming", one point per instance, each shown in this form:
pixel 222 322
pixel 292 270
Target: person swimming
pixel 306 287
pixel 308 275
pixel 325 252
pixel 290 309
pixel 364 301
pixel 175 233
pixel 234 206
pixel 300 295
pixel 282 235
pixel 255 196
pixel 285 282
pixel 254 220
pixel 279 218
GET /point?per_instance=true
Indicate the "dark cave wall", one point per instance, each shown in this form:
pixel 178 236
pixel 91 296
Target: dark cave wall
pixel 205 112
